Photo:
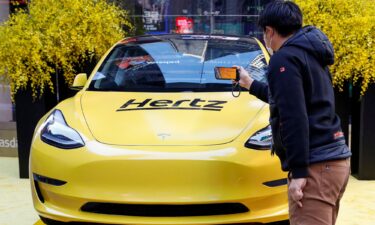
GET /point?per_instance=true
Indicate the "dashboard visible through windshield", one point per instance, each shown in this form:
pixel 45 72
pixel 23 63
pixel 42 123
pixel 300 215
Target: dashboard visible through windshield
pixel 177 64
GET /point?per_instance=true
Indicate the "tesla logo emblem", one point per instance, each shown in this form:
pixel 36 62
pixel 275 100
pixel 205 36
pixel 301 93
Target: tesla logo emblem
pixel 163 136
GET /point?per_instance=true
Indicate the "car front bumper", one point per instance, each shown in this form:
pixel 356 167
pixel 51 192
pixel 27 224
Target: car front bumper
pixel 156 176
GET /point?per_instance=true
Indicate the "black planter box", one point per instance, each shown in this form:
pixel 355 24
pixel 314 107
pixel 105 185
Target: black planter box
pixel 363 134
pixel 342 108
pixel 28 113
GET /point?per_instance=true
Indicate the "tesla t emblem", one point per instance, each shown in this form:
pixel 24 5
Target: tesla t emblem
pixel 163 136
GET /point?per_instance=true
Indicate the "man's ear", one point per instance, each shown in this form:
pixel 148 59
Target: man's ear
pixel 269 31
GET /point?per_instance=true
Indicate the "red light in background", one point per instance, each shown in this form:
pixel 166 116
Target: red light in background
pixel 184 25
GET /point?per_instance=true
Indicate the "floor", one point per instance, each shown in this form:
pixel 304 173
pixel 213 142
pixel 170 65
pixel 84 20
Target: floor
pixel 358 204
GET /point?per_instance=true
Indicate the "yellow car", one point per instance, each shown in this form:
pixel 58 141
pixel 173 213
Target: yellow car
pixel 153 137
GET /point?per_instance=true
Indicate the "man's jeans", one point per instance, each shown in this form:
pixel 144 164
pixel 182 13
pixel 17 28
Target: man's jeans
pixel 324 189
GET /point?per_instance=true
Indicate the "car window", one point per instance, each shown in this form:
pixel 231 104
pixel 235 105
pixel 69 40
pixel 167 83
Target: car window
pixel 176 64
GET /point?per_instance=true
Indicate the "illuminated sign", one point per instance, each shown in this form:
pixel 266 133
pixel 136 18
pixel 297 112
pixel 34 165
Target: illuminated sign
pixel 184 25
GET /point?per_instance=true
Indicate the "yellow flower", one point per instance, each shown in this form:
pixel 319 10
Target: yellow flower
pixel 350 25
pixel 58 36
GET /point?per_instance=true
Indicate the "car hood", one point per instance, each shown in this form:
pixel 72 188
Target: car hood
pixel 187 118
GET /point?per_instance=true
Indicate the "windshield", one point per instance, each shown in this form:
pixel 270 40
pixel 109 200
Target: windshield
pixel 179 63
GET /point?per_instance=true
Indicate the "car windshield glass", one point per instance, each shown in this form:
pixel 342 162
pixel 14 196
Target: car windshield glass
pixel 177 64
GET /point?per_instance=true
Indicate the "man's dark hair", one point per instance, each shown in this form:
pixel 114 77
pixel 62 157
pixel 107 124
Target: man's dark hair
pixel 284 16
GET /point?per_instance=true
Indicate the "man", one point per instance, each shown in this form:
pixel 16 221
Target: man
pixel 307 136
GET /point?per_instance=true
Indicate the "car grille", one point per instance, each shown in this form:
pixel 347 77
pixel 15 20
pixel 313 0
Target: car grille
pixel 164 210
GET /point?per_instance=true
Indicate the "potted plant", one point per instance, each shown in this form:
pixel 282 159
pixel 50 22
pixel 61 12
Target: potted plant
pixel 42 49
pixel 350 25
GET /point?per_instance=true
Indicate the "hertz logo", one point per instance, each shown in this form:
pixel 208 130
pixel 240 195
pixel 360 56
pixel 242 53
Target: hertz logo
pixel 195 104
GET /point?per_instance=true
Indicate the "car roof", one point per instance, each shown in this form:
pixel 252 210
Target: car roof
pixel 164 37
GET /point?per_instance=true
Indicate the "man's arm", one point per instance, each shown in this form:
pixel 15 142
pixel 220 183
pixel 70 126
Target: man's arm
pixel 286 86
pixel 259 90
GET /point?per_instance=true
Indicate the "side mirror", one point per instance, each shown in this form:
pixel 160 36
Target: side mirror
pixel 79 82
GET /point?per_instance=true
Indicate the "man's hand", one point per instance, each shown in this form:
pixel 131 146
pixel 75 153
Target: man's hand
pixel 296 187
pixel 245 78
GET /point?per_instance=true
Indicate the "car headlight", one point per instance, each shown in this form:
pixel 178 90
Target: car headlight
pixel 260 140
pixel 56 132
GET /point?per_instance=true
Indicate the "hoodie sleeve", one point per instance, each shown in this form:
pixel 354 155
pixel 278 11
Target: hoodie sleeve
pixel 286 87
pixel 259 90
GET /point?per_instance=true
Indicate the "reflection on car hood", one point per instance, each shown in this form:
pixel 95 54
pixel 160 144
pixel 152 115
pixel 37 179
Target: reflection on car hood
pixel 129 118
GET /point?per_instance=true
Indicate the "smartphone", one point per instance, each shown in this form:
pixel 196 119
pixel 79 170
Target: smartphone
pixel 226 73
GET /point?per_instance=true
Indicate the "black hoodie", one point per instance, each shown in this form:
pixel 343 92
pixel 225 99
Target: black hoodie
pixel 304 124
